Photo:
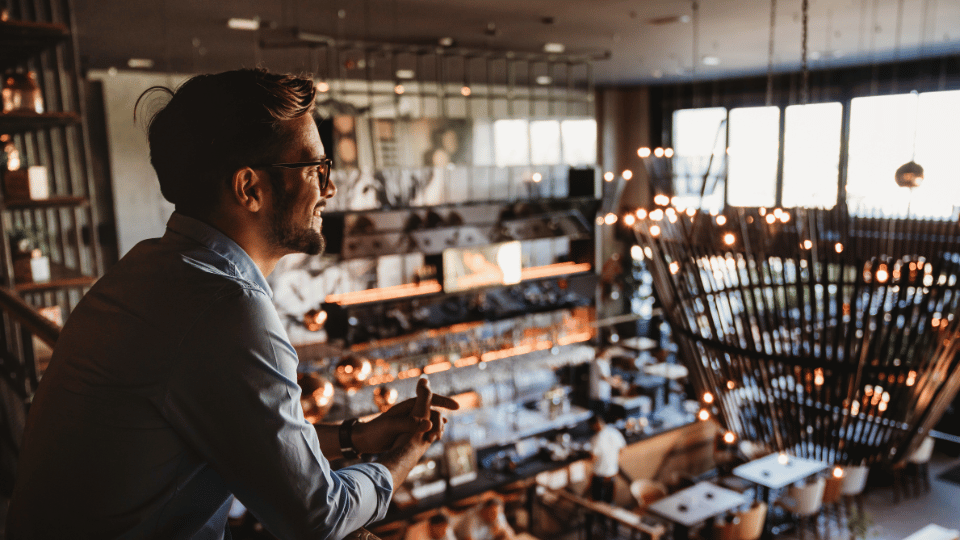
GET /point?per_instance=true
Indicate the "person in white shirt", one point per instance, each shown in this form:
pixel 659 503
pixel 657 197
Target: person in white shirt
pixel 602 382
pixel 605 447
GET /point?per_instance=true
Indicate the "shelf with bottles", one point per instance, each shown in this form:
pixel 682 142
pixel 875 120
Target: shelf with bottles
pixel 454 348
pixel 430 230
pixel 60 276
pixel 20 40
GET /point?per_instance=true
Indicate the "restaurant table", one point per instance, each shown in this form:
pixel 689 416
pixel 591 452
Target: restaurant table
pixel 694 505
pixel 639 344
pixel 776 471
pixel 670 372
pixel 935 532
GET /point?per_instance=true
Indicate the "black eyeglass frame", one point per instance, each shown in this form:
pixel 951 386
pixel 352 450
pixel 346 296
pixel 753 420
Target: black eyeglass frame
pixel 324 178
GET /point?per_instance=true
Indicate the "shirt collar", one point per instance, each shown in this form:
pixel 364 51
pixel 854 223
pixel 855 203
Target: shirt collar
pixel 221 244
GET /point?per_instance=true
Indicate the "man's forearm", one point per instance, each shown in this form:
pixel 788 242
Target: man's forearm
pixel 401 459
pixel 329 435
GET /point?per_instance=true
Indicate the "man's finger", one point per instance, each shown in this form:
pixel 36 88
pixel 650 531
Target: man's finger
pixel 421 407
pixel 445 402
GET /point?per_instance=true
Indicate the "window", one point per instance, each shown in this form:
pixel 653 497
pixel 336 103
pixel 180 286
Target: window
pixel 811 155
pixel 511 143
pixel 579 141
pixel 883 132
pixel 754 155
pixel 545 142
pixel 698 136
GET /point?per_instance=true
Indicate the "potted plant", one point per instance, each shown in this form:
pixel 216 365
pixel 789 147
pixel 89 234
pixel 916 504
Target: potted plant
pixel 28 247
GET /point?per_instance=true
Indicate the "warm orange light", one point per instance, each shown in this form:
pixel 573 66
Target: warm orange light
pixel 783 459
pixel 771 218
pixel 707 397
pixel 322 87
pixel 656 214
pixel 537 178
pixel 505 353
pixel 807 244
pixel 818 376
pixel 643 152
pixel 610 218
pixel 627 174
pixel 398 89
pixel 731 385
pixel 729 437
pixel 430 369
pixel 668 152
pixel 674 267
pixel 629 220
pixel 882 274
pixel 661 199
pixel 658 152
pixel 641 213
pixel 838 247
pixel 465 91
pixel 729 239
pixel 556 269
pixel 838 472
pixel 721 220
pixel 466 361
pixel 409 373
pixel 385 293
pixel 608 176
pixel 654 230
pixel 704 414
pixel 575 338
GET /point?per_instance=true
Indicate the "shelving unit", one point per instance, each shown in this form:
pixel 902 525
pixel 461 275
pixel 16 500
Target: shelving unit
pixel 40 37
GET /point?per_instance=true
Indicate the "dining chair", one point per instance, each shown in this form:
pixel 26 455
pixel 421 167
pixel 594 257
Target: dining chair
pixel 804 502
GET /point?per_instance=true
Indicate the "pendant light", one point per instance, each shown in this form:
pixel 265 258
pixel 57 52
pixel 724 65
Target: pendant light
pixel 910 174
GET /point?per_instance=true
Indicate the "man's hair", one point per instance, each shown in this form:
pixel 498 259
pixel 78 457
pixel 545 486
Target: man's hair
pixel 213 125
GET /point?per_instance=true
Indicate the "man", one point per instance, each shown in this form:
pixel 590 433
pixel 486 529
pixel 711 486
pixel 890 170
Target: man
pixel 173 384
pixel 605 447
pixel 602 383
pixel 438 528
pixel 490 523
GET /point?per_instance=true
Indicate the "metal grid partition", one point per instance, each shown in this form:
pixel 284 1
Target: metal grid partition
pixel 819 334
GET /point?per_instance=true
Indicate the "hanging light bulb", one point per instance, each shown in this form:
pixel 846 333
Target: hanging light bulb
pixel 909 175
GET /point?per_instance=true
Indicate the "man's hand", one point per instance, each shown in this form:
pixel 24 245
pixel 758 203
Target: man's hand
pixel 423 424
pixel 415 416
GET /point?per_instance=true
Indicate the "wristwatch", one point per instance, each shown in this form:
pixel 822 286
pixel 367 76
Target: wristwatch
pixel 346 439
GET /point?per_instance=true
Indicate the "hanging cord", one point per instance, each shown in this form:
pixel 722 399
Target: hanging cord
pixel 773 28
pixel 805 89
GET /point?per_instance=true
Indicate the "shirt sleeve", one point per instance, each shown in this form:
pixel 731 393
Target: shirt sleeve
pixel 234 398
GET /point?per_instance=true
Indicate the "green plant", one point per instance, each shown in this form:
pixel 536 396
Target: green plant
pixel 24 239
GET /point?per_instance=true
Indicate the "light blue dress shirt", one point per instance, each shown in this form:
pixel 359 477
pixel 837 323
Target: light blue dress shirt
pixel 173 385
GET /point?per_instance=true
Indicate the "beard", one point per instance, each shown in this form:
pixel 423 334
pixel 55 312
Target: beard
pixel 288 232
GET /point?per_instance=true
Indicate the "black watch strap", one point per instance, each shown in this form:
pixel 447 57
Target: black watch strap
pixel 346 439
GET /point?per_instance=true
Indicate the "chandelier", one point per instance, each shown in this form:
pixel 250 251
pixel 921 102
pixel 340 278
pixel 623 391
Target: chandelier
pixel 816 333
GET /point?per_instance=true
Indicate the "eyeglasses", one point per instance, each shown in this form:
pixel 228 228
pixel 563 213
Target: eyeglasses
pixel 322 169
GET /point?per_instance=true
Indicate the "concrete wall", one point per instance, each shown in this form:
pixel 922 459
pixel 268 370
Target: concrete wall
pixel 140 209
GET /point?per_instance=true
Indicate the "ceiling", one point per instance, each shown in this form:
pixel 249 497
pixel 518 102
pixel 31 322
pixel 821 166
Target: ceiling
pixel 640 41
